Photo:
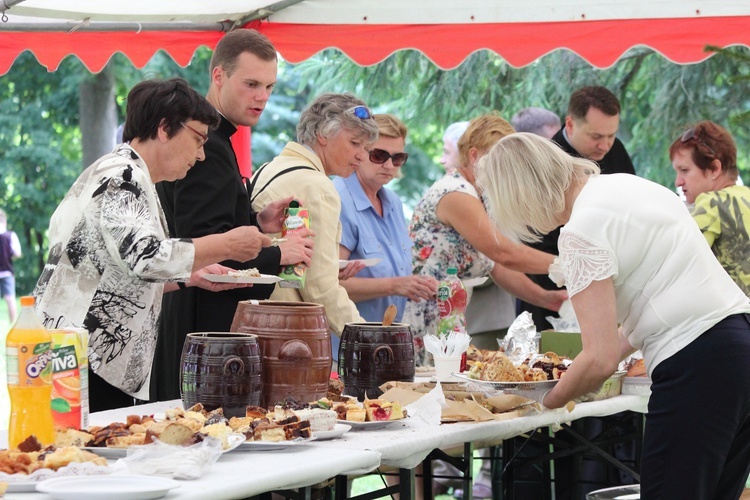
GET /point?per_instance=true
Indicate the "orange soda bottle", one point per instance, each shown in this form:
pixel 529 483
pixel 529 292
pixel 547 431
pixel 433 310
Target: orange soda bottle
pixel 28 360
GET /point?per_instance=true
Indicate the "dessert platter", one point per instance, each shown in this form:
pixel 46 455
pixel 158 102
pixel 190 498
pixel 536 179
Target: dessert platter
pixel 243 276
pixel 493 369
pixel 338 431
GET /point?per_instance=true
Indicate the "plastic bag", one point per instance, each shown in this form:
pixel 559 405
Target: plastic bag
pixel 177 462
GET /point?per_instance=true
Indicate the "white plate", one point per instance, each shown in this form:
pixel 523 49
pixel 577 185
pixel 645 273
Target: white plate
pixel 22 486
pixel 271 445
pixel 338 430
pixel 263 279
pixel 112 487
pixel 366 262
pixel 234 440
pixel 543 384
pixel 366 426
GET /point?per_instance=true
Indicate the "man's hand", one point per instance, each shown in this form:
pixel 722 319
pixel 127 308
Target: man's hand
pixel 271 219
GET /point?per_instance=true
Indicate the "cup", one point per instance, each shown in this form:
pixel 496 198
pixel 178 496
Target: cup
pixel 445 366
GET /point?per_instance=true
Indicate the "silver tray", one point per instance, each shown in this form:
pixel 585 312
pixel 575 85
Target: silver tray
pixel 542 384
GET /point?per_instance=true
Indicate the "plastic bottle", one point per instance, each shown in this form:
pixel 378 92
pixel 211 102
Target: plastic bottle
pixel 296 218
pixel 28 361
pixel 451 299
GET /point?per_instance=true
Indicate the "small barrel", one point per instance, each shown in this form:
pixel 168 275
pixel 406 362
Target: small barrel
pixel 221 370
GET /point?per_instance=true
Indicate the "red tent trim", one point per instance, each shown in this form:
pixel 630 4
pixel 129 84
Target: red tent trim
pixel 601 43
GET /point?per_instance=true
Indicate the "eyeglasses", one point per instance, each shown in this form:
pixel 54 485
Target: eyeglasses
pixel 381 156
pixel 361 112
pixel 204 137
pixel 691 135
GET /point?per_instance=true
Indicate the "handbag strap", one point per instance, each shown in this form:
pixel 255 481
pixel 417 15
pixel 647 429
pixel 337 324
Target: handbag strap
pixel 251 187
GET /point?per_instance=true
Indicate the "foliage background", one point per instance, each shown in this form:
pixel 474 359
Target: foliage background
pixel 40 138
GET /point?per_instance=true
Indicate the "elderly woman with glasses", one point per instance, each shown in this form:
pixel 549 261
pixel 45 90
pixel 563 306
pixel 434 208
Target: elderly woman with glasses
pixel 374 227
pixel 111 257
pixel 450 228
pixel 704 158
pixel 632 256
pixel 334 135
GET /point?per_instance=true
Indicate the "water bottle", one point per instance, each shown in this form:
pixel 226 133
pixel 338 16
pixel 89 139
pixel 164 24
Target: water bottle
pixel 451 299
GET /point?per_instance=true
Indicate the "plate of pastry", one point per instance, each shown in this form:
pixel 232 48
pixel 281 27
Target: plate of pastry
pixel 258 279
pixel 337 431
pixel 541 384
pixel 366 262
pixel 273 445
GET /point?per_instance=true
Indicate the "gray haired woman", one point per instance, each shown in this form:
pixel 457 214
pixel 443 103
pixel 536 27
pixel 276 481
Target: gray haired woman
pixel 333 134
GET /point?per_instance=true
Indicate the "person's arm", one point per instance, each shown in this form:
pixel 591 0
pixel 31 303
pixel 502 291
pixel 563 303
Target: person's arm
pixel 521 286
pixel 467 215
pixel 595 309
pixel 414 288
pixel 15 246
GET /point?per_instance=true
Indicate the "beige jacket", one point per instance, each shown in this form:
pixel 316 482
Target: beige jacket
pixel 316 192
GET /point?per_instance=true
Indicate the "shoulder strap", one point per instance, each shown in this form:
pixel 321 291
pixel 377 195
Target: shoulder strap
pixel 251 187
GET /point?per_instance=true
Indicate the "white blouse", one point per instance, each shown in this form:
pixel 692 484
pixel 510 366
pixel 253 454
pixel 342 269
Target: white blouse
pixel 669 287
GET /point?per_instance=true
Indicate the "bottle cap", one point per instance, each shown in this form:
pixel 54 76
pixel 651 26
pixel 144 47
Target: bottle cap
pixel 452 271
pixel 27 300
pixel 294 204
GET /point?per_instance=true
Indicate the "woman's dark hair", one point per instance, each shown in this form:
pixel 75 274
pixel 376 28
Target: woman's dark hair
pixel 172 101
pixel 708 142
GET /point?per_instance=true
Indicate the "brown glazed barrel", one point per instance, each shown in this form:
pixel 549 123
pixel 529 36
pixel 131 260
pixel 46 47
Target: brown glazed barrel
pixel 220 370
pixel 371 354
pixel 295 347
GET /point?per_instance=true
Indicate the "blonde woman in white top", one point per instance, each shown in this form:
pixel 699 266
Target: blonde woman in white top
pixel 632 255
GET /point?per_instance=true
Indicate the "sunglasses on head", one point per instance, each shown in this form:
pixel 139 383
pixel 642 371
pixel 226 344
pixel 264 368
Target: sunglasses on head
pixel 361 112
pixel 381 156
pixel 691 135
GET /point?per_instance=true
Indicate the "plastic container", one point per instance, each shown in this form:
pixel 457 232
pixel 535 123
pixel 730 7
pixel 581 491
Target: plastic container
pixel 28 349
pixel 611 387
pixel 636 385
pixel 451 300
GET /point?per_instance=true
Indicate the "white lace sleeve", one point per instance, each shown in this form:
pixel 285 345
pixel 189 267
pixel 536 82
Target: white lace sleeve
pixel 584 261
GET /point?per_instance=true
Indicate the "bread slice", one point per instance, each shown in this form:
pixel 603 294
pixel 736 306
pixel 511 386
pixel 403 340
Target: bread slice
pixel 176 433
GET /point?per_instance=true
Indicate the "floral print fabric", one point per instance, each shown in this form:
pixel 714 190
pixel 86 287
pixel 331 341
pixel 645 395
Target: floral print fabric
pixel 436 248
pixel 724 218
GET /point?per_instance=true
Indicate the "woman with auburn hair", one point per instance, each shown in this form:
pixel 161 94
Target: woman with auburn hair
pixel 450 228
pixel 632 255
pixel 704 158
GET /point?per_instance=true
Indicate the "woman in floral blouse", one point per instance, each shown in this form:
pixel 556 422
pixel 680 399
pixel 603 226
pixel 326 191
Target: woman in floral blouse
pixel 450 228
pixel 111 257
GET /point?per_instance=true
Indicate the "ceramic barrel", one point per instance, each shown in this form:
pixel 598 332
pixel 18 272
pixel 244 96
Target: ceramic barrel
pixel 221 370
pixel 295 347
pixel 371 354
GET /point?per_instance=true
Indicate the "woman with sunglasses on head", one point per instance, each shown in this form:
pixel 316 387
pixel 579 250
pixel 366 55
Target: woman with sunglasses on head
pixel 631 255
pixel 374 227
pixel 334 135
pixel 450 228
pixel 704 158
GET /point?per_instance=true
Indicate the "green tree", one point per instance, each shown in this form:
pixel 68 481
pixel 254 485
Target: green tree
pixel 658 97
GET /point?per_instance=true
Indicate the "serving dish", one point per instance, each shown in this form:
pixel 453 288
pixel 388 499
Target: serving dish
pixel 542 384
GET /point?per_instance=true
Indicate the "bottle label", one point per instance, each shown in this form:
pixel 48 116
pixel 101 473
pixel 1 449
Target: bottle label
pixel 29 364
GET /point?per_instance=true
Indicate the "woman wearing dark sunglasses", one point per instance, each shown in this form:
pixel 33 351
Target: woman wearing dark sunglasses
pixel 450 228
pixel 704 158
pixel 374 227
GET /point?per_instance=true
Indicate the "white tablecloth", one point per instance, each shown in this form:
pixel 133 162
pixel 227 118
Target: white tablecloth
pixel 404 444
pixel 247 473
